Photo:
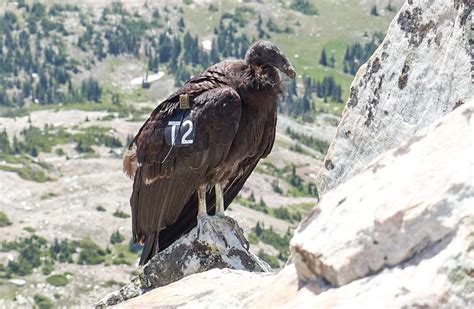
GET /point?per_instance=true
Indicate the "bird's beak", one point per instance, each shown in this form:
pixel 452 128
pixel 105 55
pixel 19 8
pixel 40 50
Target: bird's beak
pixel 285 66
pixel 289 70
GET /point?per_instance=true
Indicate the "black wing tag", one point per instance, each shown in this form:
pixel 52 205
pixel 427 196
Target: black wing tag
pixel 180 129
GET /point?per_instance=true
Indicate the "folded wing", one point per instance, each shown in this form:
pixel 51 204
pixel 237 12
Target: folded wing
pixel 166 178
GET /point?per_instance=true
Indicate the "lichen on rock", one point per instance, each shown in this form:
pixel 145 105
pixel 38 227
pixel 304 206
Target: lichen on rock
pixel 218 243
pixel 417 75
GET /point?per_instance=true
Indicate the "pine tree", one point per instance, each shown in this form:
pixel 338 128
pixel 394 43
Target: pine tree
pixel 244 45
pixel 344 68
pixel 181 24
pixel 261 33
pixel 99 48
pixel 390 7
pixel 165 50
pixel 214 55
pixel 332 61
pixel 156 14
pixel 16 146
pixel 374 11
pixel 258 229
pixel 34 151
pixel 319 89
pixel 252 197
pixel 115 99
pixel 5 143
pixel 323 60
pixel 292 89
pixel 91 90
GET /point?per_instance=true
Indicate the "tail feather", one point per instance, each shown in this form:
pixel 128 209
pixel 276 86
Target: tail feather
pixel 150 248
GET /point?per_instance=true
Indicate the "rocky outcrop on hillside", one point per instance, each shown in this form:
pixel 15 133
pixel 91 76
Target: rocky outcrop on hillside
pixel 219 243
pixel 419 73
pixel 399 233
pixel 405 224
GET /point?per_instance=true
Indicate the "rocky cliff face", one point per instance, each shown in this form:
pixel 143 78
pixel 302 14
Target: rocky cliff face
pixel 419 73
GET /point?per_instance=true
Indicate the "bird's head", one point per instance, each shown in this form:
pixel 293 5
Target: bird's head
pixel 266 53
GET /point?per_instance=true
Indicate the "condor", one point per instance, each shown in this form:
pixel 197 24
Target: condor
pixel 198 147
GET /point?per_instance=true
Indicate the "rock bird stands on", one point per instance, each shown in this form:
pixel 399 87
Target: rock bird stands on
pixel 198 147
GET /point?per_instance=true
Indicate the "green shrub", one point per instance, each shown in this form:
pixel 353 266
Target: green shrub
pixel 100 208
pixel 48 195
pixel 287 214
pixel 57 280
pixel 276 187
pixel 121 260
pixel 269 259
pixel 121 214
pixel 314 143
pixel 284 213
pixel 4 221
pixel 304 6
pixel 253 239
pixel 116 238
pixel 63 250
pixel 297 148
pixel 270 237
pixel 298 186
pixel 91 253
pixel 47 268
pixel 27 172
pixel 32 251
pixel 251 203
pixel 134 273
pixel 43 302
pixel 59 152
pixel 111 283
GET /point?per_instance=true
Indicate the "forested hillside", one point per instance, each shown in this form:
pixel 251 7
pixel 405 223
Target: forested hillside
pixel 47 52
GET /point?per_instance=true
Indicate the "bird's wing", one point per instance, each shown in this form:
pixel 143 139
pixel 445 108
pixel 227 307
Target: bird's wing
pixel 235 183
pixel 212 78
pixel 187 219
pixel 166 179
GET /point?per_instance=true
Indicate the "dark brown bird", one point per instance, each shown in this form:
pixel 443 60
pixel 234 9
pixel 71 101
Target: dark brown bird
pixel 198 147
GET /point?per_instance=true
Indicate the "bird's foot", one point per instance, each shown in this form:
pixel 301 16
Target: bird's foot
pixel 239 233
pixel 203 222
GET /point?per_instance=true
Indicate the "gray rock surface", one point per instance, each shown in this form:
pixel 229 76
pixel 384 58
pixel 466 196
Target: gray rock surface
pixel 219 243
pixel 419 73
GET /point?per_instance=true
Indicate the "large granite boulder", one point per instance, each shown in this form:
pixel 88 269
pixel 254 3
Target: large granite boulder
pixel 403 227
pixel 419 73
